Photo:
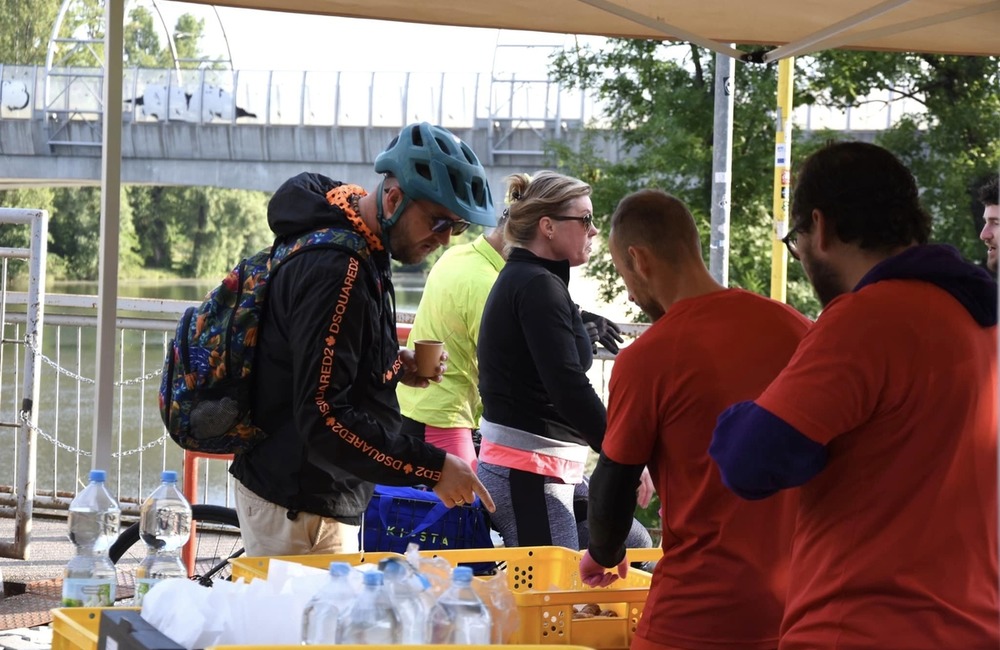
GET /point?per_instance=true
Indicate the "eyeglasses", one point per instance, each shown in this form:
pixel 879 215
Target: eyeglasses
pixel 791 242
pixel 442 224
pixel 587 219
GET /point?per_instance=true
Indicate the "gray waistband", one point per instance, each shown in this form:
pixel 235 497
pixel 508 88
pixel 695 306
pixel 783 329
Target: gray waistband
pixel 525 441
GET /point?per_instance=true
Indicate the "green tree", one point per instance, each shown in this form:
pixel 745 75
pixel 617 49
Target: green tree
pixel 142 41
pixel 17 236
pixel 188 32
pixel 952 145
pixel 74 235
pixel 659 98
pixel 230 224
pixel 27 27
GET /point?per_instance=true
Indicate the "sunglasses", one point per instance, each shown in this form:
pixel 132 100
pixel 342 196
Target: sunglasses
pixel 587 219
pixel 791 242
pixel 443 224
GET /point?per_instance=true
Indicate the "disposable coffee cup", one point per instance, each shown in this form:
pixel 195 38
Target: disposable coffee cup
pixel 428 354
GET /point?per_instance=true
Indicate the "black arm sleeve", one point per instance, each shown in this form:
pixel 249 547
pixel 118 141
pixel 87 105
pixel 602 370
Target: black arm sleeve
pixel 612 504
pixel 335 322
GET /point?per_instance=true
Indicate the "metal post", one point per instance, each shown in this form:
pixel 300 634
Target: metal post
pixel 440 117
pixel 267 104
pixel 236 89
pixel 782 178
pixel 406 99
pixel 722 167
pixel 111 182
pixel 302 98
pixel 24 481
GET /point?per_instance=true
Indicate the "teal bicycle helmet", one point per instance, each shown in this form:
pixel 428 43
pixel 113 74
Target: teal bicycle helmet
pixel 432 164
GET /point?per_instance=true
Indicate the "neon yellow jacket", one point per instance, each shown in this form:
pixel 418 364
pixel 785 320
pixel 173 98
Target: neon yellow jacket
pixel 450 311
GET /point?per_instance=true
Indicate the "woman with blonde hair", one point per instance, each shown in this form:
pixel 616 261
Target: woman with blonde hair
pixel 541 415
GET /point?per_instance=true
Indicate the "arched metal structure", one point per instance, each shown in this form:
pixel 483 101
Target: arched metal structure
pixel 74 93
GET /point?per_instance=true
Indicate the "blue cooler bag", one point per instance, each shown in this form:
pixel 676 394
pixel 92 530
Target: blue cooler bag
pixel 397 516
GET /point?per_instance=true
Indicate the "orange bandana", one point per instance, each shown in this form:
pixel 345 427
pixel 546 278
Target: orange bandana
pixel 345 197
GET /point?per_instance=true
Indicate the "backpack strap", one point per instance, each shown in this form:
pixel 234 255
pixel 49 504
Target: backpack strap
pixel 348 241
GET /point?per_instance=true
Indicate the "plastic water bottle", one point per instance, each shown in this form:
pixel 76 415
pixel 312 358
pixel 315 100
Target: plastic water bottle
pixel 323 611
pixel 165 526
pixel 459 617
pixel 406 589
pixel 90 579
pixel 371 619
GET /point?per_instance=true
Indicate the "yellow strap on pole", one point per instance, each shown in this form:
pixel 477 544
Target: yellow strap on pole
pixel 782 179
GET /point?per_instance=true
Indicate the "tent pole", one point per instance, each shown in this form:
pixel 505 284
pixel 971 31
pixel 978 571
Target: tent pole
pixel 111 181
pixel 722 167
pixel 782 178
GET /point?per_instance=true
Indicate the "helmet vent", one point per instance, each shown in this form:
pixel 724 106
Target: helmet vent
pixel 459 187
pixel 444 145
pixel 478 192
pixel 424 170
pixel 417 139
pixel 470 157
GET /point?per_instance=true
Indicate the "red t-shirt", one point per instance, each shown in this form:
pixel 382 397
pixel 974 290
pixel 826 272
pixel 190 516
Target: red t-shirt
pixel 722 579
pixel 895 545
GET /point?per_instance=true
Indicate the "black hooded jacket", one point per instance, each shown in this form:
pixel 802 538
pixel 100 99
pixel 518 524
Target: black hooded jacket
pixel 326 373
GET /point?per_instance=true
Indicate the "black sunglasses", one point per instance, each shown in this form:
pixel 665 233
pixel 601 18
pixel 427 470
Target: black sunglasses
pixel 791 242
pixel 587 219
pixel 442 224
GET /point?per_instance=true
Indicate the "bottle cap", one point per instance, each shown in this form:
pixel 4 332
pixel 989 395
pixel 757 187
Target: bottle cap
pixel 340 569
pixel 462 574
pixel 168 476
pixel 97 475
pixel 392 568
pixel 373 578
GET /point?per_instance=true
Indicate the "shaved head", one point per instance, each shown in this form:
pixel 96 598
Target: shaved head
pixel 657 221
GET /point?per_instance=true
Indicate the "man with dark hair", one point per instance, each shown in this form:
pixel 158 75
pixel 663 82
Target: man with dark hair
pixel 720 583
pixel 988 196
pixel 887 418
pixel 328 356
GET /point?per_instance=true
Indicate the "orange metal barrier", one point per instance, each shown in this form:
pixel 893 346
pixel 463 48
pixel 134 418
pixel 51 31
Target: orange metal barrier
pixel 190 489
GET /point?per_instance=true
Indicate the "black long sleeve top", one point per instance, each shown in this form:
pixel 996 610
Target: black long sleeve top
pixel 534 353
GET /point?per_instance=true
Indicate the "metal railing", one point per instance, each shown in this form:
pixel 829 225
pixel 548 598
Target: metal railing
pixel 296 98
pixel 63 418
pixel 23 424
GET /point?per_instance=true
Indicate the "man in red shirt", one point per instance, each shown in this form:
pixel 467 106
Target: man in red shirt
pixel 721 582
pixel 887 418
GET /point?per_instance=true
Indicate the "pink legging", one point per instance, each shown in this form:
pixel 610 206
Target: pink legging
pixel 456 440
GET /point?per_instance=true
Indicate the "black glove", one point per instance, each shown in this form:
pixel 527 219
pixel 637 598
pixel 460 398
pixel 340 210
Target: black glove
pixel 603 331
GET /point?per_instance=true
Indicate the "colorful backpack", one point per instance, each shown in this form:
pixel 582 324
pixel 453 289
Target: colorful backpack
pixel 205 392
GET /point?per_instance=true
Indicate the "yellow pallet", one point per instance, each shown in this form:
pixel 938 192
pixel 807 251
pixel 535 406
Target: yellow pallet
pixel 545 581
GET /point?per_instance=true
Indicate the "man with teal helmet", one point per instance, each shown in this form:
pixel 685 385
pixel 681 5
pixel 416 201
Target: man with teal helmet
pixel 328 355
pixel 430 163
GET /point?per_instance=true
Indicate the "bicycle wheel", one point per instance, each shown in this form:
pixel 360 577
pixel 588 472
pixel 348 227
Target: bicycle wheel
pixel 217 540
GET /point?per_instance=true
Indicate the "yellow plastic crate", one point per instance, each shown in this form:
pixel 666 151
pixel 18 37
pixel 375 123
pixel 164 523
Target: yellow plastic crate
pixel 645 554
pixel 545 581
pixel 75 628
pixel 415 647
pixel 78 628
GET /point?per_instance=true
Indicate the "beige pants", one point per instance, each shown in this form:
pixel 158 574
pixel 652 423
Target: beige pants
pixel 267 530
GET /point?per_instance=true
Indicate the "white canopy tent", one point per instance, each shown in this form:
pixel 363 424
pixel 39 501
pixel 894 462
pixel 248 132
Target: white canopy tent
pixel 795 27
